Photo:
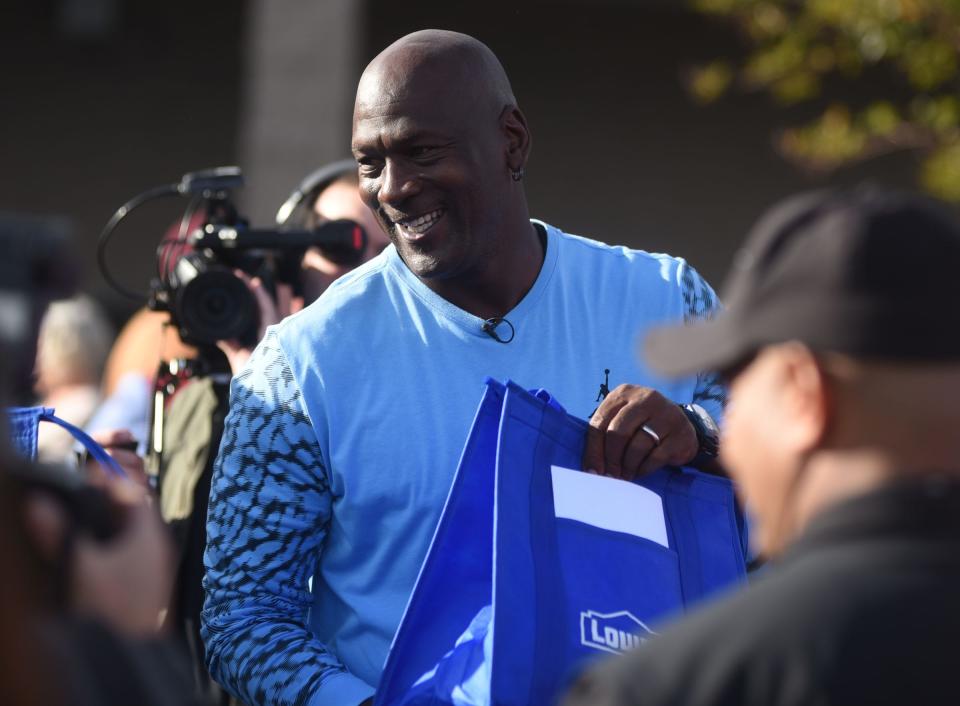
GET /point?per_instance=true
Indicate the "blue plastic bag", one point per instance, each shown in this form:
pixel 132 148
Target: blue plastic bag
pixel 25 425
pixel 537 568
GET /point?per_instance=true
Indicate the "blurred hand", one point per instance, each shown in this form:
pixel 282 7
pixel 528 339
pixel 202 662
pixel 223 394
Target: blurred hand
pixel 636 430
pixel 271 312
pixel 124 581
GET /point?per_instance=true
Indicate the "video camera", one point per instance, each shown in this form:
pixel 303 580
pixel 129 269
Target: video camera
pixel 196 266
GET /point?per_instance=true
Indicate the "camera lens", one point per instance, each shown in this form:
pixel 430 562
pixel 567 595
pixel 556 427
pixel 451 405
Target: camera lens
pixel 213 304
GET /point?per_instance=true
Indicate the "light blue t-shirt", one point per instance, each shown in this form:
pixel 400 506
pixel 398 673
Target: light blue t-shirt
pixel 344 433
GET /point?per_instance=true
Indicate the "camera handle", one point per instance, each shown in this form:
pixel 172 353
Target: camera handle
pixel 211 184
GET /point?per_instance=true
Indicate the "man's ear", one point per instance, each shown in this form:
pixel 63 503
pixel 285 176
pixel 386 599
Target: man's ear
pixel 514 127
pixel 806 396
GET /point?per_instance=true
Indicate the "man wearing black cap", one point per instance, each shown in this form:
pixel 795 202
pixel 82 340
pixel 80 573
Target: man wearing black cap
pixel 843 351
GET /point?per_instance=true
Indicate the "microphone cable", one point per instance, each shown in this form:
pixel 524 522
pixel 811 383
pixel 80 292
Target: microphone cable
pixel 491 325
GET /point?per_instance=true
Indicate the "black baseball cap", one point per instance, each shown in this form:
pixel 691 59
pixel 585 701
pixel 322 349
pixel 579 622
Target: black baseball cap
pixel 868 272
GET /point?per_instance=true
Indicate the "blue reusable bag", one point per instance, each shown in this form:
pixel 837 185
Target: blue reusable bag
pixel 24 425
pixel 525 583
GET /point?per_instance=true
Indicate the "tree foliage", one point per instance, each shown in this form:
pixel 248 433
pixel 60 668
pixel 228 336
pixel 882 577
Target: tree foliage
pixel 795 46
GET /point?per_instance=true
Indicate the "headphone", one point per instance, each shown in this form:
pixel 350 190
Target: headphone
pixel 314 183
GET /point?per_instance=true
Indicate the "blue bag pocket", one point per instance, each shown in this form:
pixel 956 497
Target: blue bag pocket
pixel 594 584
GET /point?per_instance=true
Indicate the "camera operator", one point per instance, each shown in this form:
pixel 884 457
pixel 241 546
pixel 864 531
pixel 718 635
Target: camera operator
pixel 86 569
pixel 193 423
pixel 328 194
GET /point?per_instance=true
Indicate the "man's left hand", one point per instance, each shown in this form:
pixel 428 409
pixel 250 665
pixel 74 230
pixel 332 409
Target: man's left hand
pixel 635 431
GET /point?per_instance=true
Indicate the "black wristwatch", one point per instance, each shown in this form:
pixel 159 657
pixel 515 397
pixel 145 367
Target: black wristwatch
pixel 708 434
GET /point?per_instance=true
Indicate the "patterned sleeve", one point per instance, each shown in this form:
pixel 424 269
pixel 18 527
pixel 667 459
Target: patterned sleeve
pixel 700 302
pixel 269 507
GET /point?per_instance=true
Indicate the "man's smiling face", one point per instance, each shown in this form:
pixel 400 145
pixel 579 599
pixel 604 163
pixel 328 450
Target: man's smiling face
pixel 432 168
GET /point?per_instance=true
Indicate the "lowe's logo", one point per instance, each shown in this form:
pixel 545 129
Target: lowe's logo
pixel 612 632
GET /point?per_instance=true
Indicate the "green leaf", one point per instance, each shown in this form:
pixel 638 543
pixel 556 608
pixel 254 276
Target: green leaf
pixel 827 142
pixel 881 118
pixel 766 21
pixel 940 113
pixel 776 62
pixel 940 172
pixel 707 83
pixel 796 87
pixel 929 63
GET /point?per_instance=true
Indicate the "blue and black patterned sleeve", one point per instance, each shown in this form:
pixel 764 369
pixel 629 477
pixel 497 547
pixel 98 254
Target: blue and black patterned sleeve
pixel 700 302
pixel 269 507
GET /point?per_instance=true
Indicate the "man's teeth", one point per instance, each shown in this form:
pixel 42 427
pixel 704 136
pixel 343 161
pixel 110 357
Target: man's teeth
pixel 421 224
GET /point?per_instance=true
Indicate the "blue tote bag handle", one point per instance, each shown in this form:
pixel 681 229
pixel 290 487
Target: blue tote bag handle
pixel 24 427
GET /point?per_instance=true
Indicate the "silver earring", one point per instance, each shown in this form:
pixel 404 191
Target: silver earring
pixel 516 174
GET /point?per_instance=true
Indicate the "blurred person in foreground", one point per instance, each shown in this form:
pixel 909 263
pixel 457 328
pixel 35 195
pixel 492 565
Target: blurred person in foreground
pixel 346 426
pixel 86 569
pixel 844 368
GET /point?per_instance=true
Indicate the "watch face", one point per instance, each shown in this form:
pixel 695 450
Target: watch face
pixel 707 420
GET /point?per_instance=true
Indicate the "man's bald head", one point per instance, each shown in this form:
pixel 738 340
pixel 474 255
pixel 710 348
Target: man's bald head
pixel 441 148
pixel 432 63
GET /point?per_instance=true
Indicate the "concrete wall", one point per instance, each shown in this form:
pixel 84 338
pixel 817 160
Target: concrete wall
pixel 301 76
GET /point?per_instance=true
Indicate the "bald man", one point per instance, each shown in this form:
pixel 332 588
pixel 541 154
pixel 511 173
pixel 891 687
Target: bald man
pixel 842 435
pixel 346 427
